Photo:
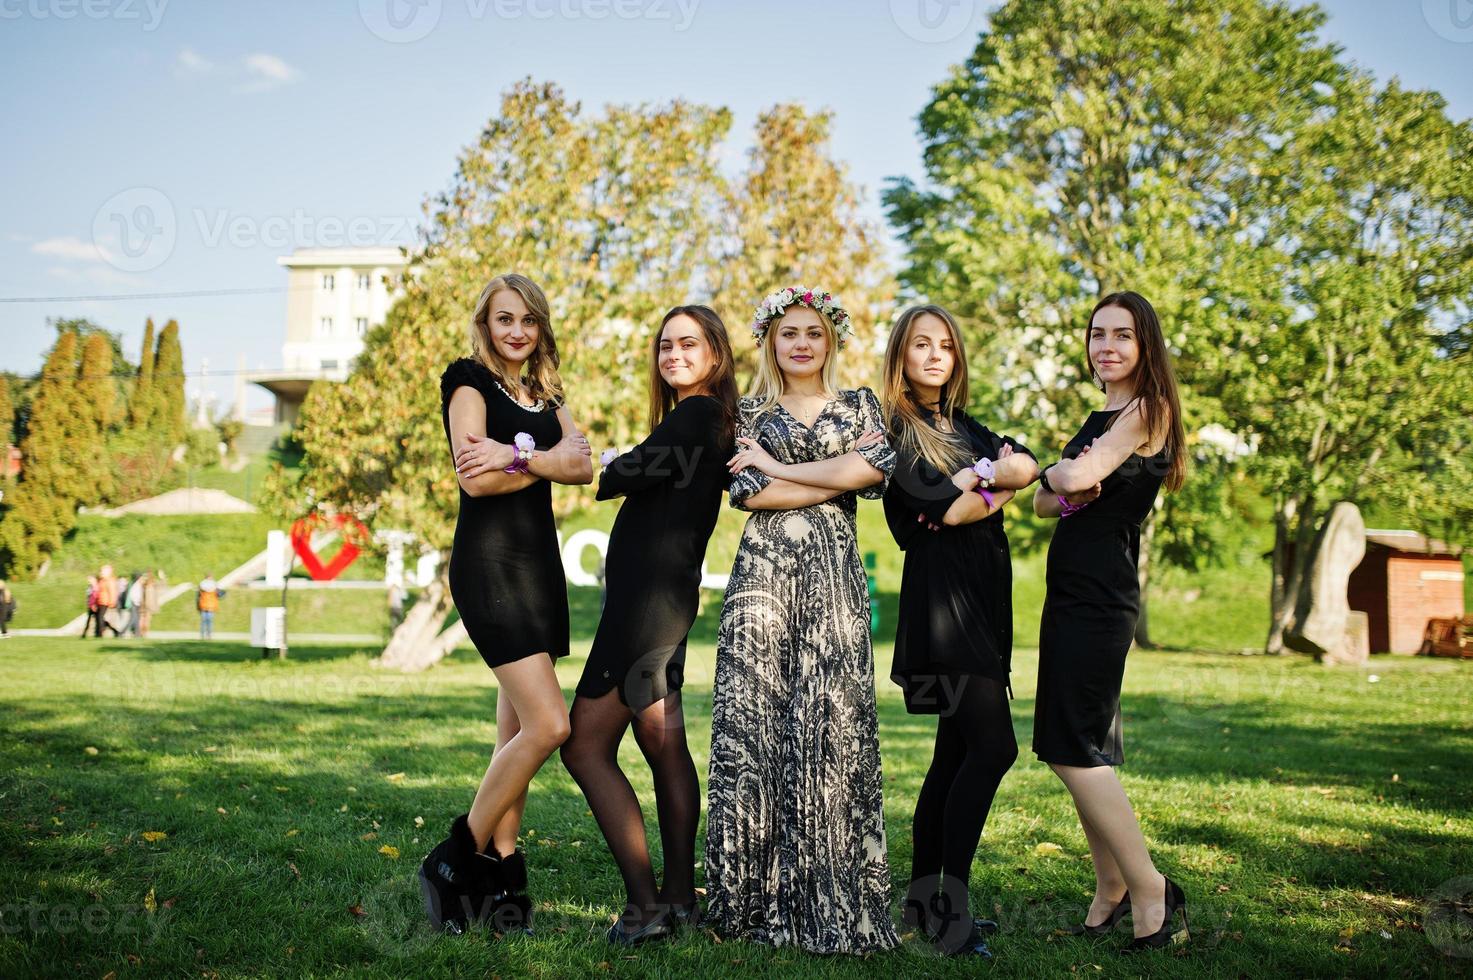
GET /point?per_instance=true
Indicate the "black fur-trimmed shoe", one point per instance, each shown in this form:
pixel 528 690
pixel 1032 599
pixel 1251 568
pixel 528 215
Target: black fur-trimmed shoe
pixel 509 908
pixel 446 878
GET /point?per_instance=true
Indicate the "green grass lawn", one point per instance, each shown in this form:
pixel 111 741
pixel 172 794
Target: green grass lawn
pixel 184 546
pixel 187 808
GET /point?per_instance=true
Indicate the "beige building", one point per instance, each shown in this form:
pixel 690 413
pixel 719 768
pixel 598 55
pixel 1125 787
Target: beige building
pixel 334 297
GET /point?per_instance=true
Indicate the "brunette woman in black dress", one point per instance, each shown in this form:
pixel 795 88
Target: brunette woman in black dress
pixel 954 636
pixel 672 485
pixel 511 437
pixel 1103 489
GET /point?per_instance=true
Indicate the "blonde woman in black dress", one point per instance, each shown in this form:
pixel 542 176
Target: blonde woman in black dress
pixel 671 484
pixel 795 829
pixel 511 437
pixel 1102 490
pixel 954 634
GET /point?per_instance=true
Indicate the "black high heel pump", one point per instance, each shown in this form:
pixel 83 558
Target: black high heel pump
pixel 1176 902
pixel 1120 911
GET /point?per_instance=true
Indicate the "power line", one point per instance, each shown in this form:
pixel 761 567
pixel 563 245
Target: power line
pixel 127 296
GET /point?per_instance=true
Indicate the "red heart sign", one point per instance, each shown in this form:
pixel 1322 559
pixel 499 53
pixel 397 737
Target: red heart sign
pixel 301 536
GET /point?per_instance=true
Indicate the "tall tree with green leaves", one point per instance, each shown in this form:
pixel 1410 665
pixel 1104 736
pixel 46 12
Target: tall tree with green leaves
pixel 42 508
pixel 793 216
pixel 1353 391
pixel 97 401
pixel 1085 148
pixel 168 381
pixel 612 215
pixel 142 400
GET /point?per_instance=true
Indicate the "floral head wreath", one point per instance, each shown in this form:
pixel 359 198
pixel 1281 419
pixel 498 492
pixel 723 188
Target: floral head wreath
pixel 814 298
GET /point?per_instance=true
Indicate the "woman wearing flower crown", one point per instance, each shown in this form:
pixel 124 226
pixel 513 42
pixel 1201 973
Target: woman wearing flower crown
pixel 511 437
pixel 795 831
pixel 954 635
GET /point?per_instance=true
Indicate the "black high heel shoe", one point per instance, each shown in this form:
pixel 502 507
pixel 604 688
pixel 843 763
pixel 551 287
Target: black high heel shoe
pixel 1120 911
pixel 661 926
pixel 1176 901
pixel 927 921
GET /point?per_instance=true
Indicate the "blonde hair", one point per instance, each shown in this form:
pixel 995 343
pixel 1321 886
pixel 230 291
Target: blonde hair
pixel 767 381
pixel 905 417
pixel 543 381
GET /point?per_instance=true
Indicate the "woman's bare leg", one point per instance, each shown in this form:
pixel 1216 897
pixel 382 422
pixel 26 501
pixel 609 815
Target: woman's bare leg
pixel 1100 799
pixel 541 719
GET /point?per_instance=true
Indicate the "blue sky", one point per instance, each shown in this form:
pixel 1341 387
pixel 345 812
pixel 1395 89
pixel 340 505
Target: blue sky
pixel 269 125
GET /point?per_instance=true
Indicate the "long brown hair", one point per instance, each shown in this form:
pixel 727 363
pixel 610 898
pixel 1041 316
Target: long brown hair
pixel 1154 380
pixel 720 383
pixel 904 414
pixel 543 381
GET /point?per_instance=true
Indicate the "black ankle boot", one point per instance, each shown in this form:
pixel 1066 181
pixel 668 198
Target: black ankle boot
pixel 446 877
pixel 510 908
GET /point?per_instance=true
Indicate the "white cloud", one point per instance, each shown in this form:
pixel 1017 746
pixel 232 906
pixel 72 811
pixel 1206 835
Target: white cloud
pixel 71 248
pixel 267 72
pixel 191 62
pixel 258 72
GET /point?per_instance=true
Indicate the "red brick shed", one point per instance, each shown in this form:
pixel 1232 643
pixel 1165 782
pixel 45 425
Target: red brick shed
pixel 1405 580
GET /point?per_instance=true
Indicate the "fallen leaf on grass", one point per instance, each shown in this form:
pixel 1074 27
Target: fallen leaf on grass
pixel 154 836
pixel 419 821
pixel 389 851
pixel 293 832
pixel 150 903
pixel 395 777
pixel 356 911
pixel 1047 849
pixel 90 750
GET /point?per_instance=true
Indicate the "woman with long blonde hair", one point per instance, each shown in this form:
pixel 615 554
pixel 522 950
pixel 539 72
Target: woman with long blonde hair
pixel 511 437
pixel 954 633
pixel 795 829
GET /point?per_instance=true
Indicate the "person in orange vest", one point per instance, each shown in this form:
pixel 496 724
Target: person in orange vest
pixel 107 599
pixel 208 603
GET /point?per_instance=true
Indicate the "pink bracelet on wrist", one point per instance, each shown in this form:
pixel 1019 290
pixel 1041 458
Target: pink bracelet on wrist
pixel 985 495
pixel 1069 508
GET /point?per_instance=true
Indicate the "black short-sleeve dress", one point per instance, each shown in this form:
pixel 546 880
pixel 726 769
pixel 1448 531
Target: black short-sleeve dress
pixel 1090 610
pixel 506 575
pixel 956 591
pixel 672 485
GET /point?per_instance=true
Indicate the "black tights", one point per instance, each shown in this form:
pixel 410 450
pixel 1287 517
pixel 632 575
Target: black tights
pixel 591 756
pixel 975 747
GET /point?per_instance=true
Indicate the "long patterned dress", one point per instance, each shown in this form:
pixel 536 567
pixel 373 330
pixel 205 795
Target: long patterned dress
pixel 795 830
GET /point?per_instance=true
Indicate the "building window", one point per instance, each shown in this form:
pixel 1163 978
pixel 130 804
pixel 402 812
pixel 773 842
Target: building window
pixel 324 326
pixel 329 282
pixel 365 281
pixel 329 365
pixel 362 325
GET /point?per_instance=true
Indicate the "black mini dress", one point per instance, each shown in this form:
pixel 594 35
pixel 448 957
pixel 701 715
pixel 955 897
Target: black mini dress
pixel 956 591
pixel 672 485
pixel 506 573
pixel 1090 610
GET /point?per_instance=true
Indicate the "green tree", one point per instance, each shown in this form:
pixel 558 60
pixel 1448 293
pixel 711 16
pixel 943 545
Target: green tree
pixel 97 401
pixel 168 382
pixel 7 414
pixel 141 410
pixel 793 217
pixel 1085 148
pixel 612 215
pixel 1354 391
pixel 42 508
